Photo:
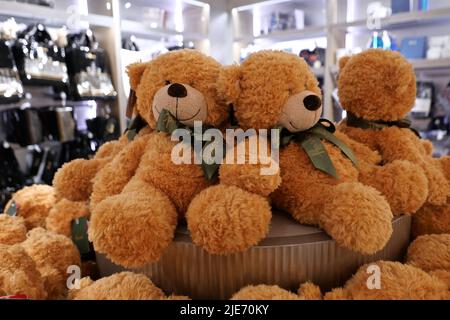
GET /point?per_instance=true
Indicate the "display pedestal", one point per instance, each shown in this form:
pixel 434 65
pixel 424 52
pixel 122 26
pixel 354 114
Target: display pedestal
pixel 290 255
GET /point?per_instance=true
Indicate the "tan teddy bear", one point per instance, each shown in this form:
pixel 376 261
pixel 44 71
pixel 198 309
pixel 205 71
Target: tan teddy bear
pixel 33 204
pixel 50 255
pixel 376 108
pixel 120 286
pixel 137 202
pixel 272 89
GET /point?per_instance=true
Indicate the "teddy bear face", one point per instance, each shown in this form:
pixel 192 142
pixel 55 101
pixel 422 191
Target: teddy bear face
pixel 182 82
pixel 273 88
pixel 377 85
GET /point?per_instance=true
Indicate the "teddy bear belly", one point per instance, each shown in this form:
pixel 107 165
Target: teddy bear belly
pixel 365 136
pixel 304 188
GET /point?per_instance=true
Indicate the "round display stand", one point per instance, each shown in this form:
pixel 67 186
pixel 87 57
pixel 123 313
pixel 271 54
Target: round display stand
pixel 290 255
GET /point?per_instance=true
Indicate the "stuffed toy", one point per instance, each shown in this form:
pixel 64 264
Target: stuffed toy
pixel 73 180
pixel 307 291
pixel 376 108
pixel 33 204
pixel 61 215
pixel 426 274
pixel 136 205
pixel 19 274
pixel 12 229
pixel 398 282
pixel 120 286
pixel 272 89
pixel 51 254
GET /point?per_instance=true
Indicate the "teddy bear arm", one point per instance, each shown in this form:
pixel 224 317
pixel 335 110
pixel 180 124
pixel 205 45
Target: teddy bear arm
pixel 259 173
pixel 115 175
pixel 398 144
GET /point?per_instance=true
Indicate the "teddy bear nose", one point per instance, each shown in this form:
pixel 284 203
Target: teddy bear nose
pixel 312 102
pixel 177 90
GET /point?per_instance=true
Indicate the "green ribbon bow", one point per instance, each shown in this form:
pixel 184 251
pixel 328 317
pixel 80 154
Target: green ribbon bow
pixel 135 126
pixel 79 228
pixel 311 142
pixel 356 122
pixel 168 123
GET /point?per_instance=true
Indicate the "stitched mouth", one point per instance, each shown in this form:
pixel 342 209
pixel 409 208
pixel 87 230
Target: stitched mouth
pixel 292 125
pixel 196 114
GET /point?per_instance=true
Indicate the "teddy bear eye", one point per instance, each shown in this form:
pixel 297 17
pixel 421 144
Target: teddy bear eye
pixel 167 82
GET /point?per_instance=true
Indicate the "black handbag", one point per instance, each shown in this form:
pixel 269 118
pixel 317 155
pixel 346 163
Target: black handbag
pixel 58 123
pixel 11 89
pixel 25 126
pixel 39 60
pixel 88 68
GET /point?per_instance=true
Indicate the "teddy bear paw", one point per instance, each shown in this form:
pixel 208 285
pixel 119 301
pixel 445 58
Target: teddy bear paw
pixel 133 230
pixel 226 219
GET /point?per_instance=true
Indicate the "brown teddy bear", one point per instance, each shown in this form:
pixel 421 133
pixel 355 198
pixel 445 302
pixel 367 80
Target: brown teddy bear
pixel 19 274
pixel 426 274
pixel 274 88
pixel 63 213
pixel 376 108
pixel 33 204
pixel 136 205
pixel 50 255
pixel 73 181
pixel 307 291
pixel 120 286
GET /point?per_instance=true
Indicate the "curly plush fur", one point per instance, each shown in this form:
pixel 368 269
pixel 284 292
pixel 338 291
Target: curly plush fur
pixel 53 254
pixel 387 94
pixel 19 274
pixel 120 286
pixel 33 204
pixel 12 229
pixel 62 214
pixel 398 282
pixel 136 202
pixel 356 215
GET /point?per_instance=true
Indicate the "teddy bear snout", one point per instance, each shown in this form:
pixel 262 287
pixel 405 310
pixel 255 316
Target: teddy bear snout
pixel 177 90
pixel 312 102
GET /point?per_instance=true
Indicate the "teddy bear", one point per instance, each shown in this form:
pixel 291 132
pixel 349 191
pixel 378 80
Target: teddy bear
pixel 307 291
pixel 50 255
pixel 120 286
pixel 272 89
pixel 33 204
pixel 19 274
pixel 135 205
pixel 425 275
pixel 376 110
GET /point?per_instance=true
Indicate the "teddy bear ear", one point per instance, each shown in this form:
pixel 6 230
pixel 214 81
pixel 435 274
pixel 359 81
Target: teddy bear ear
pixel 135 72
pixel 228 85
pixel 343 62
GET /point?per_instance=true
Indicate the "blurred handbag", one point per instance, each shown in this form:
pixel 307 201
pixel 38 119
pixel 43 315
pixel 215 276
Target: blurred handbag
pixel 39 60
pixel 88 68
pixel 25 126
pixel 58 123
pixel 11 89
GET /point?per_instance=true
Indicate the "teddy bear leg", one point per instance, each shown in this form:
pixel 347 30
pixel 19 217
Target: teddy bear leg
pixel 439 188
pixel 403 184
pixel 226 219
pixel 73 180
pixel 115 175
pixel 445 165
pixel 134 227
pixel 431 219
pixel 358 217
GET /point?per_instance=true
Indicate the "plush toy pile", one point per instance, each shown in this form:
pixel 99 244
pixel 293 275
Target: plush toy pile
pixel 350 180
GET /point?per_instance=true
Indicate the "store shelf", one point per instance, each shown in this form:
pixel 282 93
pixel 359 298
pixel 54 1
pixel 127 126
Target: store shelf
pixel 24 12
pixel 288 35
pixel 400 20
pixel 428 64
pixel 141 30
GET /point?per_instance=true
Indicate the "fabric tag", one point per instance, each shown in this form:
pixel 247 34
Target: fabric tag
pixel 12 210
